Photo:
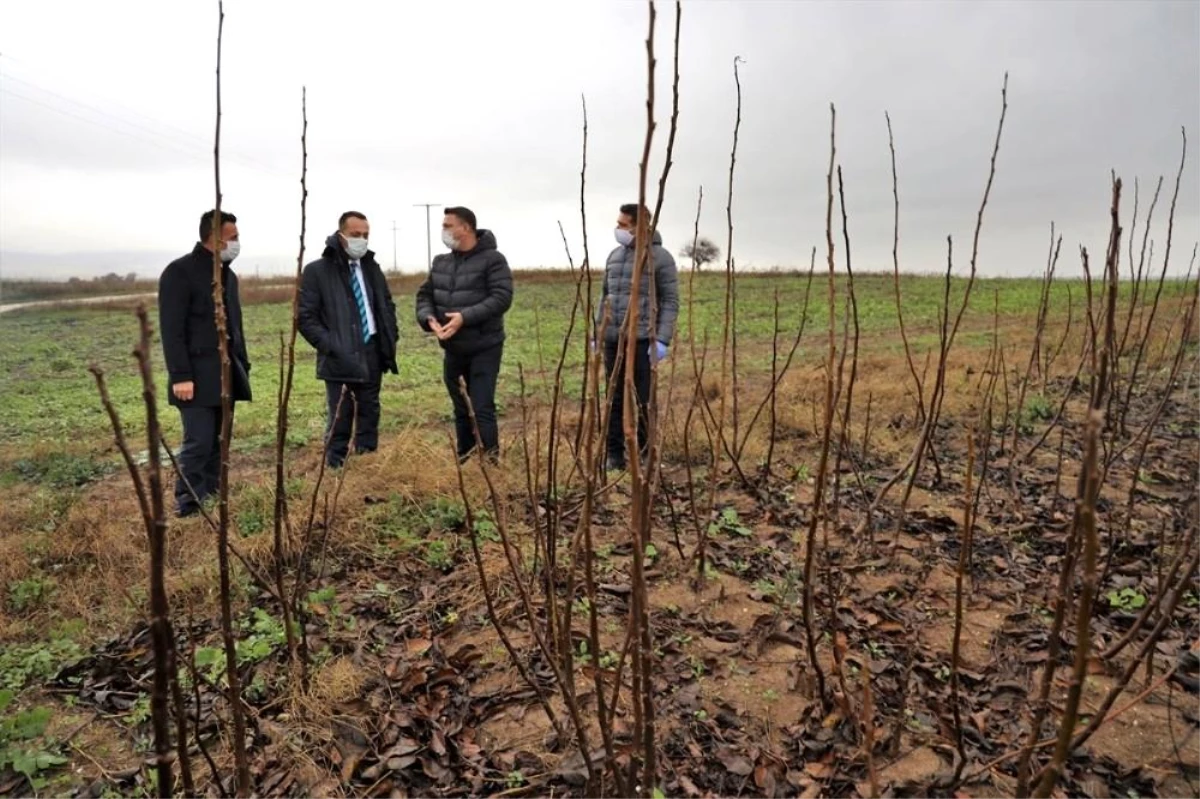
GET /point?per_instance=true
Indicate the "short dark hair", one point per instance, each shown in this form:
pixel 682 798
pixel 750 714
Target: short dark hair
pixel 631 210
pixel 350 215
pixel 465 214
pixel 206 222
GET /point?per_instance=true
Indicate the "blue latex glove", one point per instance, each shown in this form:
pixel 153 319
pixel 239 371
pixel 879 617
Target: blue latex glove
pixel 662 351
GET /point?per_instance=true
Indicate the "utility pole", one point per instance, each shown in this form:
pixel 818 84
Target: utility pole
pixel 394 229
pixel 428 237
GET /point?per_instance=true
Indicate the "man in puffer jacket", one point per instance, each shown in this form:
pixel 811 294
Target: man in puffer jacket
pixel 347 313
pixel 463 303
pixel 651 342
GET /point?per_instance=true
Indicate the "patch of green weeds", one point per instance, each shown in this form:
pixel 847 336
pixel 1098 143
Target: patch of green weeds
pixel 1126 599
pixel 25 595
pixel 24 664
pixel 18 750
pixel 729 523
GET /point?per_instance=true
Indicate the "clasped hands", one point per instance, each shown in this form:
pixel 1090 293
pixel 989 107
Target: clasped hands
pixel 454 323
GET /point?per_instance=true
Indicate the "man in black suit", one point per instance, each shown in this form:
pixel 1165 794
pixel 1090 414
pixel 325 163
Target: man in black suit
pixel 347 314
pixel 187 321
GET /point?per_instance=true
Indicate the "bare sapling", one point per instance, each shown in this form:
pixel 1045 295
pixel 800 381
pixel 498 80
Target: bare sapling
pixel 149 492
pixel 844 411
pixel 964 556
pixel 560 619
pixel 287 370
pixel 241 763
pixel 844 443
pixel 919 389
pixel 735 394
pixel 701 529
pixel 818 507
pixel 728 325
pixel 642 466
pixel 530 455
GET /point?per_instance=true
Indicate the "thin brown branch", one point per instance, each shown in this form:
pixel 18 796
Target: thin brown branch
pixel 287 369
pixel 818 509
pixel 920 390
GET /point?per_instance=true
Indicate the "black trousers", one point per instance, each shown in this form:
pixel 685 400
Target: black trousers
pixel 480 370
pixel 199 458
pixel 359 410
pixel 641 386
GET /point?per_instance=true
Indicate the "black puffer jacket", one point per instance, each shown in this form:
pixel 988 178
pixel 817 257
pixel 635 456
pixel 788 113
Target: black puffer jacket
pixel 187 324
pixel 478 284
pixel 329 317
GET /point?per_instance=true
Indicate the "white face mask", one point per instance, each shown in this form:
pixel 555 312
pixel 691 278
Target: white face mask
pixel 355 248
pixel 624 237
pixel 449 240
pixel 232 248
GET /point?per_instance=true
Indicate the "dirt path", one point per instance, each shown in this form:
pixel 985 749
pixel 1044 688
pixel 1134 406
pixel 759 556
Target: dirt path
pixel 15 306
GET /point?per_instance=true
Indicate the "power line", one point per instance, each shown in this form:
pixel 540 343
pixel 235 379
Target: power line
pixel 202 147
pixel 97 123
pixel 205 142
pixel 428 238
pixel 394 229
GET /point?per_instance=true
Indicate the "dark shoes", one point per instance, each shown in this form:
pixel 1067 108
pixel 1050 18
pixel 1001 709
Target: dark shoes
pixel 493 457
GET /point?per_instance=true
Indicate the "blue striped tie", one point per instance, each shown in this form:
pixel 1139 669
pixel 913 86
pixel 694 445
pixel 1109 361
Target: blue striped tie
pixel 360 301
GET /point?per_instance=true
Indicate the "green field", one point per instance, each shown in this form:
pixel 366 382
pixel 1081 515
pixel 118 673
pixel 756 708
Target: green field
pixel 49 405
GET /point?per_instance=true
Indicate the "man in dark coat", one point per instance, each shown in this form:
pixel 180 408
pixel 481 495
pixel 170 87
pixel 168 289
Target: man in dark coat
pixel 652 341
pixel 187 322
pixel 347 314
pixel 463 303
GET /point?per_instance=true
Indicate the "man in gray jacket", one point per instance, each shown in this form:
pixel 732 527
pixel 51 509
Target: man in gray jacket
pixel 652 342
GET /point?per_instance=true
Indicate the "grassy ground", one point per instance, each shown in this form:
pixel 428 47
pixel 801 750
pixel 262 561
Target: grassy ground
pixel 72 554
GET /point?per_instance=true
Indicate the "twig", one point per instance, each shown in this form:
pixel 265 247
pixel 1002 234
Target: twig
pixel 287 372
pixel 241 762
pixel 818 508
pixel 920 390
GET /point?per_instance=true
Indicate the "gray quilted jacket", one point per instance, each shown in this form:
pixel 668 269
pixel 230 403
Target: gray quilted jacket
pixel 618 282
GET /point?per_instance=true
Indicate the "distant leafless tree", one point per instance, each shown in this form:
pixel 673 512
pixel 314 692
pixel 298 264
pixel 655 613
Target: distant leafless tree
pixel 702 251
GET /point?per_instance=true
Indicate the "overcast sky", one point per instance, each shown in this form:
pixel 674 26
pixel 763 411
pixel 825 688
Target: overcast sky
pixel 106 117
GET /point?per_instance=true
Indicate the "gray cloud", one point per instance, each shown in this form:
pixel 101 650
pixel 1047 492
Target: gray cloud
pixel 479 103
